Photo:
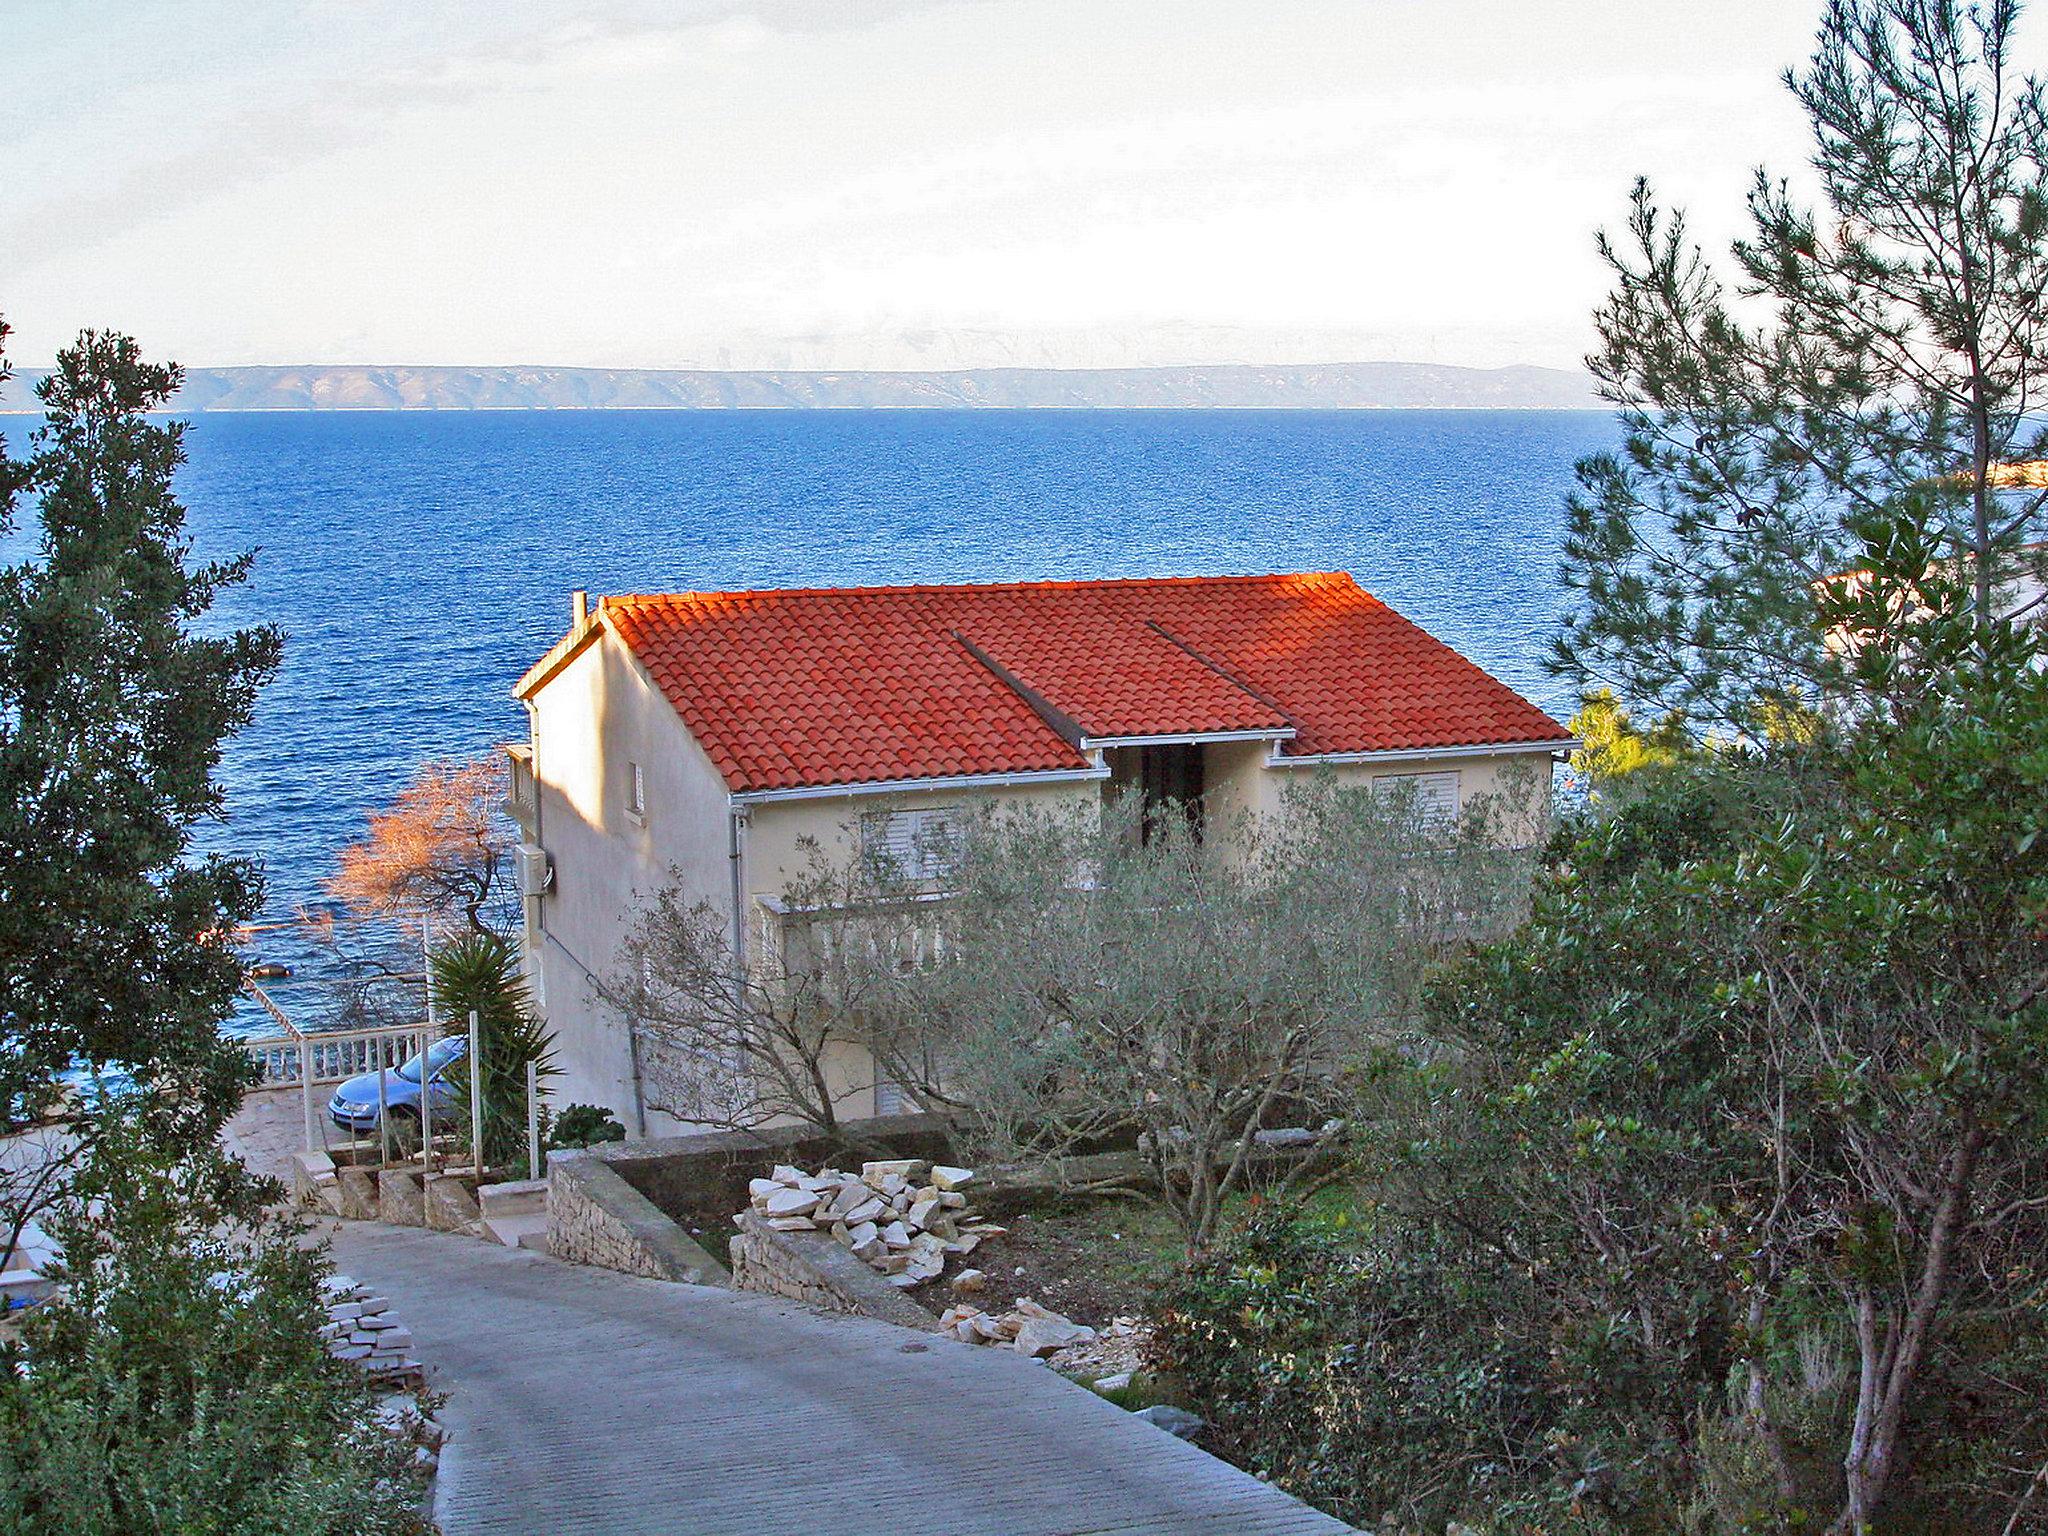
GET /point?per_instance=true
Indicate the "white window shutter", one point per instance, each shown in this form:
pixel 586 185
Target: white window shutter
pixel 1436 794
pixel 917 846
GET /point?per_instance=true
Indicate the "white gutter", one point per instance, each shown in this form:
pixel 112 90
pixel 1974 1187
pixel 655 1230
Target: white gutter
pixel 1425 754
pixel 1190 738
pixel 908 786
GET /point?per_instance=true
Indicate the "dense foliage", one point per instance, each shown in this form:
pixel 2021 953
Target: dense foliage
pixel 1360 1376
pixel 1725 1174
pixel 179 1384
pixel 115 942
pixel 583 1125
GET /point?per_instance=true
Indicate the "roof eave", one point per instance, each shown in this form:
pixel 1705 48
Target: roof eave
pixel 1424 754
pixel 1187 738
pixel 1020 778
pixel 558 656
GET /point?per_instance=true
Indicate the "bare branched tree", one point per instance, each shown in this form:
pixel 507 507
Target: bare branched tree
pixel 440 848
pixel 780 1034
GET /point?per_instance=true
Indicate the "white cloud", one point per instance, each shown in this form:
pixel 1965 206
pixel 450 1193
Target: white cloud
pixel 913 184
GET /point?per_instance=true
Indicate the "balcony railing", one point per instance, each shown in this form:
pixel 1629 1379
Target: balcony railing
pixel 288 1060
pixel 294 1059
pixel 522 791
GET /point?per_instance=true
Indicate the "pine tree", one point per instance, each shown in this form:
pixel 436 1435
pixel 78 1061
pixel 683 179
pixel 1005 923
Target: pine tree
pixel 115 699
pixel 1875 357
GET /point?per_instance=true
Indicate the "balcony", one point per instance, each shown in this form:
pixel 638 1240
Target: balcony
pixel 522 791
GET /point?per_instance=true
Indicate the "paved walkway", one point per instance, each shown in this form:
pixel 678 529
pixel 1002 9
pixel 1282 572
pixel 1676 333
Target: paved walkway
pixel 587 1401
pixel 270 1126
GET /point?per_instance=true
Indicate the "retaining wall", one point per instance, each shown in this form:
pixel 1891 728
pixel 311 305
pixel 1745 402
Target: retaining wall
pixel 618 1205
pixel 705 1177
pixel 595 1217
pixel 813 1268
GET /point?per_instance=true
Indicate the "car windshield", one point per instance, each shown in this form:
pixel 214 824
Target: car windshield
pixel 440 1053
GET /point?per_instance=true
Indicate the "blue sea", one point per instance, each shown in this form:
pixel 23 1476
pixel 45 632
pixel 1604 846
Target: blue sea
pixel 418 562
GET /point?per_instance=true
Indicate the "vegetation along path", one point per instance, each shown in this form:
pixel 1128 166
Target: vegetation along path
pixel 583 1400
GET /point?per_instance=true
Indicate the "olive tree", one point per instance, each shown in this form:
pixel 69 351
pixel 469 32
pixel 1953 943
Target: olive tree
pixel 1083 976
pixel 1102 972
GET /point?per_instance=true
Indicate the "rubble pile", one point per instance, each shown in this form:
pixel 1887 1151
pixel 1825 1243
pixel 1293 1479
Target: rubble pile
pixel 1112 1358
pixel 903 1218
pixel 360 1328
pixel 1027 1328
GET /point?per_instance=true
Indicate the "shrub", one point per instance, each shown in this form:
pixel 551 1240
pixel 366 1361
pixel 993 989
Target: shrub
pixel 1366 1379
pixel 180 1383
pixel 479 973
pixel 585 1125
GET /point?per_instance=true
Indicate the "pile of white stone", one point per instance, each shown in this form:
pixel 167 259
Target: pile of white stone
pixel 903 1218
pixel 1027 1328
pixel 360 1328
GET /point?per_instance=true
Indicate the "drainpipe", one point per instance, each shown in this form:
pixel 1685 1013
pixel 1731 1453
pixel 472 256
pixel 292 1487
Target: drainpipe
pixel 736 826
pixel 736 846
pixel 639 1092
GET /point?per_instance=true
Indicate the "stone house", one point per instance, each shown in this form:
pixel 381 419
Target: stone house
pixel 704 737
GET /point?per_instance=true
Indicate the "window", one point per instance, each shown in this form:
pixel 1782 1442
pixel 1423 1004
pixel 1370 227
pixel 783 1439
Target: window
pixel 890 1099
pixel 913 846
pixel 1433 795
pixel 636 790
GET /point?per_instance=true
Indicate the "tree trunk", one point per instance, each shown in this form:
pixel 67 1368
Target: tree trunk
pixel 1757 1405
pixel 1887 1375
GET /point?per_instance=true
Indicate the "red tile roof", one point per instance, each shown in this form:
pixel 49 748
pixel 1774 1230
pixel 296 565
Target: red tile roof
pixel 790 689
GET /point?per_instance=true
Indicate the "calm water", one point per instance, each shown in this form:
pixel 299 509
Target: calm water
pixel 419 562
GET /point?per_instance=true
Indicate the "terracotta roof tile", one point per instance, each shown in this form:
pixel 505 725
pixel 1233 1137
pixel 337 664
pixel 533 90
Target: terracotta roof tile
pixel 790 689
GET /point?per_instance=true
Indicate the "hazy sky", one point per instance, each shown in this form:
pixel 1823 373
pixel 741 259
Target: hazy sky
pixel 860 183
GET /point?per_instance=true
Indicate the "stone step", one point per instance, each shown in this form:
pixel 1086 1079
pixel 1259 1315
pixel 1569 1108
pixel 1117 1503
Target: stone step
pixel 514 1198
pixel 521 1229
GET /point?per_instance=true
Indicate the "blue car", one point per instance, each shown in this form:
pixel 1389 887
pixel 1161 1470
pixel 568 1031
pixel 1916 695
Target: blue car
pixel 354 1105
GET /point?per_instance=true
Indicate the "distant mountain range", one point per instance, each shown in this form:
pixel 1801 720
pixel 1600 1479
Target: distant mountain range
pixel 1317 386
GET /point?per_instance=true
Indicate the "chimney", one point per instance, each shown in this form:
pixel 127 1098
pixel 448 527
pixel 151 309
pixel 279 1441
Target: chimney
pixel 579 610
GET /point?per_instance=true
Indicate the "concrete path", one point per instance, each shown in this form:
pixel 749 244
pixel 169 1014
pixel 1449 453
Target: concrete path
pixel 586 1401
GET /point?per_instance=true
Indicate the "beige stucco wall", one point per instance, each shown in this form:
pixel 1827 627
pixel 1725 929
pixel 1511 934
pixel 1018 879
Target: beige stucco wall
pixel 1243 785
pixel 1477 776
pixel 776 830
pixel 595 718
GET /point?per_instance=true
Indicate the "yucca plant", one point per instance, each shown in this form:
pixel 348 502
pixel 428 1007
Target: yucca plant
pixel 480 972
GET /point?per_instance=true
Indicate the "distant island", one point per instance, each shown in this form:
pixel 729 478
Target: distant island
pixel 1315 386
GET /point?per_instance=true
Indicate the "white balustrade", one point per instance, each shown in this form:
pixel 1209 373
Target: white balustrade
pixel 334 1057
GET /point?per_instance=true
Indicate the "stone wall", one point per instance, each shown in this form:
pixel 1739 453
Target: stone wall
pixel 595 1217
pixel 704 1177
pixel 812 1268
pixel 617 1205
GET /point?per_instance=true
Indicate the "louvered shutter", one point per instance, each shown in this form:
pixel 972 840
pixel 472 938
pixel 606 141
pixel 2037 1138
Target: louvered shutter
pixel 1436 794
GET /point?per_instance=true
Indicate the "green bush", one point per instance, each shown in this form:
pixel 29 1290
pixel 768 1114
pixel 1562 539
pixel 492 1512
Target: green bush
pixel 584 1125
pixel 1363 1379
pixel 180 1383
